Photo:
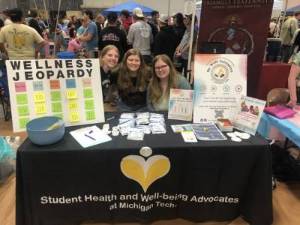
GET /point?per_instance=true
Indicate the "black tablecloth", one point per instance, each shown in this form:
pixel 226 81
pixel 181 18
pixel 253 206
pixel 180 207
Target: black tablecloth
pixel 209 180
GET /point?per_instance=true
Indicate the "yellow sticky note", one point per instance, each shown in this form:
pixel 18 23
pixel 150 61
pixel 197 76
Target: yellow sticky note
pixel 71 93
pixel 40 108
pixel 39 96
pixel 74 117
pixel 73 105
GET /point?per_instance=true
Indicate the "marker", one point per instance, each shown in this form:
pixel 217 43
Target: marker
pixel 90 137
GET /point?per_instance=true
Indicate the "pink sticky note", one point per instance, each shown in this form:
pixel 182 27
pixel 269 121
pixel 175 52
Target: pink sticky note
pixel 20 86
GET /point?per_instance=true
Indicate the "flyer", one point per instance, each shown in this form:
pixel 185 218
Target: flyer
pixel 220 81
pixel 66 88
pixel 249 114
pixel 180 105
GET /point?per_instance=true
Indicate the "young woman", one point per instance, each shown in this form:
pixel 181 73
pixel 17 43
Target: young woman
pixel 109 58
pixel 132 80
pixel 164 78
pixel 294 82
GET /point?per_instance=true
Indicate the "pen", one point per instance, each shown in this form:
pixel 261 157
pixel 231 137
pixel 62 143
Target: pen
pixel 90 137
pixel 91 131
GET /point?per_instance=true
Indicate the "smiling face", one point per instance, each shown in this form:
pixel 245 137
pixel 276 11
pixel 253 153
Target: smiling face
pixel 162 69
pixel 110 59
pixel 133 63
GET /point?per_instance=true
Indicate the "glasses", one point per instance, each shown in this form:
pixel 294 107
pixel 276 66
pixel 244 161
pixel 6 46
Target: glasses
pixel 160 67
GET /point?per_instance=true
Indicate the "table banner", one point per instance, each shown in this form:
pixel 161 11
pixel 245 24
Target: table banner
pixel 69 89
pixel 242 26
pixel 220 82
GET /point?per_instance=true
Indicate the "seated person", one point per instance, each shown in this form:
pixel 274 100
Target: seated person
pixel 164 78
pixel 294 82
pixel 109 58
pixel 132 80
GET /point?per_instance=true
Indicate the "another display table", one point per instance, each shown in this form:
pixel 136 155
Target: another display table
pixel 273 75
pixel 218 180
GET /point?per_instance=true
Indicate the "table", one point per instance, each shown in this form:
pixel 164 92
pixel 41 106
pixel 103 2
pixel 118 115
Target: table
pixel 283 127
pixel 65 184
pixel 273 75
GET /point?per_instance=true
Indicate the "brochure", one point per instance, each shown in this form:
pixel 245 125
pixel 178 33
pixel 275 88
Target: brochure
pixel 208 132
pixel 181 105
pixel 249 114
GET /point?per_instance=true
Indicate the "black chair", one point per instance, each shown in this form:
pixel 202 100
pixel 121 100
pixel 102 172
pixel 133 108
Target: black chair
pixel 273 49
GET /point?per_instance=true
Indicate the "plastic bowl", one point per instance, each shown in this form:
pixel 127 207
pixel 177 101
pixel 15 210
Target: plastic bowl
pixel 45 130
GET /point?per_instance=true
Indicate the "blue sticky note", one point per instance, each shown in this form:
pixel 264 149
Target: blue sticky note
pixel 38 86
pixel 70 83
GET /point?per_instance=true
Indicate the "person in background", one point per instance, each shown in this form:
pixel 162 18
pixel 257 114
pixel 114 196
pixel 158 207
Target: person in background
pixel 294 82
pixel 132 80
pixel 164 78
pixel 90 36
pixel 73 45
pixel 125 19
pixel 100 19
pixel 140 35
pixel 153 22
pixel 288 29
pixel 33 22
pixel 112 35
pixel 109 58
pixel 179 26
pixel 22 41
pixel 7 19
pixel 165 42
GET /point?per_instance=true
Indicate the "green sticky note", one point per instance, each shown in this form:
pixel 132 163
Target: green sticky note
pixel 22 99
pixel 23 110
pixel 89 104
pixel 88 93
pixel 56 107
pixel 58 115
pixel 55 96
pixel 23 122
pixel 90 115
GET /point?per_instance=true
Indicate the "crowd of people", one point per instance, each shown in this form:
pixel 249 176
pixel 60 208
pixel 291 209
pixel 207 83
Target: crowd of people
pixel 135 53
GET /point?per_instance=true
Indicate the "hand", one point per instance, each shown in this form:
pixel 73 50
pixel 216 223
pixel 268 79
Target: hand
pixel 292 102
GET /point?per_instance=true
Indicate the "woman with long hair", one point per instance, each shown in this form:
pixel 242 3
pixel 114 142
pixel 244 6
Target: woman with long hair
pixel 109 58
pixel 132 81
pixel 164 78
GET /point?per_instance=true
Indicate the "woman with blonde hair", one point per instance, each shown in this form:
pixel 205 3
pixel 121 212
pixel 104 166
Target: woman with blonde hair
pixel 164 78
pixel 132 80
pixel 109 58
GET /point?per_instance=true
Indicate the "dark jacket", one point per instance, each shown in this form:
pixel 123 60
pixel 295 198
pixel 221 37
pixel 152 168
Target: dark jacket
pixel 165 42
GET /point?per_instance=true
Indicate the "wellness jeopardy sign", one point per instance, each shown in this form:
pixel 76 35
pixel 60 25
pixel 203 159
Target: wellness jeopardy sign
pixel 67 88
pixel 220 82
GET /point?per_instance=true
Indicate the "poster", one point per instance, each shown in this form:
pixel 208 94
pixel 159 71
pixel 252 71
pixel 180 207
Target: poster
pixel 249 114
pixel 243 28
pixel 180 104
pixel 220 82
pixel 67 88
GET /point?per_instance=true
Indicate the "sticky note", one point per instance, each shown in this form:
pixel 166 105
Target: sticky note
pixel 74 117
pixel 88 93
pixel 38 85
pixel 23 122
pixel 39 96
pixel 86 82
pixel 73 105
pixel 89 104
pixel 22 99
pixel 23 110
pixel 90 115
pixel 20 86
pixel 40 108
pixel 70 83
pixel 55 96
pixel 71 93
pixel 56 107
pixel 54 84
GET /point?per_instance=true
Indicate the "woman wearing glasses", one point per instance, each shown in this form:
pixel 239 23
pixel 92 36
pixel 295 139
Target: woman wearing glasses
pixel 132 81
pixel 164 78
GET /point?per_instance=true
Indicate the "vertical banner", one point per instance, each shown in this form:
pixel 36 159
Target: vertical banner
pixel 242 26
pixel 220 82
pixel 69 89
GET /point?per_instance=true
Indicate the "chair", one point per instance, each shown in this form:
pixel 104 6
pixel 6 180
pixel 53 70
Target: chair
pixel 273 49
pixel 278 96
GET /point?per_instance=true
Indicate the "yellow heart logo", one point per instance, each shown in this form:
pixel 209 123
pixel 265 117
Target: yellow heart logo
pixel 145 172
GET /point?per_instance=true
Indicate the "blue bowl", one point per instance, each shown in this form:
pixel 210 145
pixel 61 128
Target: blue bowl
pixel 45 130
